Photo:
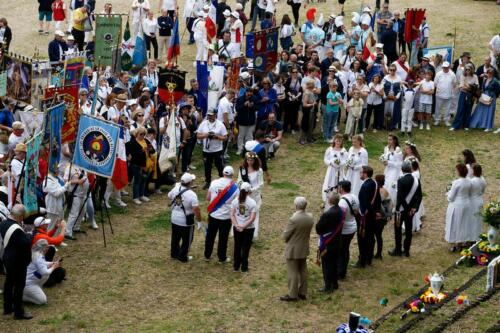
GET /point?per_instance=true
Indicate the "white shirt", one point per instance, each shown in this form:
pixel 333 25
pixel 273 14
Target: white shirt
pixel 287 30
pixel 495 45
pixel 81 190
pixel 427 85
pixel 225 106
pixel 38 266
pixel 224 212
pixel 218 128
pixel 149 27
pixel 445 84
pixel 188 199
pixel 199 30
pixel 16 167
pixel 244 210
pixel 168 4
pixel 350 226
pixel 262 3
pixel 373 97
pixel 180 126
pixel 14 140
pixel 141 9
pixel 235 27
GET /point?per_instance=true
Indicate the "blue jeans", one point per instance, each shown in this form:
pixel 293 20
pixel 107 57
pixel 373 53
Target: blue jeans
pixel 258 12
pixel 139 183
pixel 414 53
pixel 329 122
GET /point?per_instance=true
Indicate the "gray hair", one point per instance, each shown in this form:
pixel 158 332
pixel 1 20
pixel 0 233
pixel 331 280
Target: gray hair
pixel 300 203
pixel 40 245
pixel 18 210
pixel 333 198
pixel 406 167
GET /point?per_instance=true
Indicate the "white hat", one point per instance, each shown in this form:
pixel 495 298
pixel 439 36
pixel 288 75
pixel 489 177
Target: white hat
pixel 367 10
pixel 321 21
pixel 446 64
pixel 59 33
pixel 211 111
pixel 40 221
pixel 228 171
pixel 206 7
pixel 238 6
pixel 332 16
pixel 131 102
pixel 17 125
pixel 226 12
pixel 187 178
pixel 245 187
pixel 355 17
pixel 146 89
pixel 366 20
pixel 379 46
pixel 250 65
pixel 211 47
pixel 244 75
pixel 235 15
pixel 339 21
pixel 70 37
pixel 250 145
pixel 28 108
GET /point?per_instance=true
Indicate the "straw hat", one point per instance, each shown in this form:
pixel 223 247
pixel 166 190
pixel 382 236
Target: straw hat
pixel 17 125
pixel 121 98
pixel 20 147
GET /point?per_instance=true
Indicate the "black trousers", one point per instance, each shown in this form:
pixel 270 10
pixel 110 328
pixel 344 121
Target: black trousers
pixel 242 245
pixel 295 12
pixel 208 160
pixel 181 240
pixel 344 255
pixel 407 220
pixel 366 242
pixel 15 280
pixel 378 116
pixel 151 40
pixel 186 154
pixel 291 114
pixel 222 227
pixel 329 263
pixel 379 229
pixel 79 38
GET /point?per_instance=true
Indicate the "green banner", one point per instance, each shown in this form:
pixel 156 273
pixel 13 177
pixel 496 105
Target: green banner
pixel 3 84
pixel 107 38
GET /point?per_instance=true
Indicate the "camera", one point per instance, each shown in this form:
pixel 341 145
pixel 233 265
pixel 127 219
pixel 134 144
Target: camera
pixel 211 135
pixel 379 58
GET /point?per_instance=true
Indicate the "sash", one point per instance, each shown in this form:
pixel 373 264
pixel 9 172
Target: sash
pixel 9 233
pixel 222 197
pixel 258 148
pixel 325 239
pixel 414 187
pixel 403 66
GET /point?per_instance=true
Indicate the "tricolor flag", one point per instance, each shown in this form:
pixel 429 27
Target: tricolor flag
pixel 127 50
pixel 168 150
pixel 140 56
pixel 174 46
pixel 120 175
pixel 211 21
pixel 366 51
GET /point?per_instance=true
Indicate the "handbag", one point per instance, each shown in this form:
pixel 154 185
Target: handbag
pixel 178 202
pixel 485 99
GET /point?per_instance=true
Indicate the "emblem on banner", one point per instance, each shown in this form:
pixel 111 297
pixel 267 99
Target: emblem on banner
pixel 96 146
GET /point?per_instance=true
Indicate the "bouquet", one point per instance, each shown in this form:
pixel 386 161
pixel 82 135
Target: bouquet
pixel 491 213
pixel 382 158
pixel 349 163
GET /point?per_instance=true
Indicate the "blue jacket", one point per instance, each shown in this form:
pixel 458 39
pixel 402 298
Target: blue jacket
pixel 266 107
pixel 54 51
pixel 245 116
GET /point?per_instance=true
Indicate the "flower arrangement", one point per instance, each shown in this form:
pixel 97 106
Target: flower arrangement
pixel 463 299
pixel 415 306
pixel 491 213
pixel 349 163
pixel 469 259
pixel 487 248
pixel 430 298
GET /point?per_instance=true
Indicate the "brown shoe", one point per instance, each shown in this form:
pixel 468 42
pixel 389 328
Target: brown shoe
pixel 287 298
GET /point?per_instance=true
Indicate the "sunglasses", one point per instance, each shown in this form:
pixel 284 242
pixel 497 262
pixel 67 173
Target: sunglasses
pixel 392 70
pixel 140 115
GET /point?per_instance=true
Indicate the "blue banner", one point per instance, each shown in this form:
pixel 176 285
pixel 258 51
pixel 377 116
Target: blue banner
pixel 140 55
pixel 202 75
pixel 55 122
pixel 249 44
pixel 96 146
pixel 272 40
pixel 30 174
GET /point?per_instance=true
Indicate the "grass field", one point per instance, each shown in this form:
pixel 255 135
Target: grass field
pixel 133 286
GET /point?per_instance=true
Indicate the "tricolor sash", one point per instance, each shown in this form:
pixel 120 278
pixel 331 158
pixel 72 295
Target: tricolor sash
pixel 257 149
pixel 222 197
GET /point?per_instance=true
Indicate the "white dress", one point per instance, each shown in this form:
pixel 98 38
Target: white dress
pixel 256 179
pixel 478 185
pixel 458 216
pixel 335 161
pixel 392 171
pixel 417 218
pixel 355 161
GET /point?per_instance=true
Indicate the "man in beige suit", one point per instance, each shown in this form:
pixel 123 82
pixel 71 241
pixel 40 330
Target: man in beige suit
pixel 296 237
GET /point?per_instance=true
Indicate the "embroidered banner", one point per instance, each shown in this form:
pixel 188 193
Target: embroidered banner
pixel 30 174
pixel 70 123
pixel 108 34
pixel 56 116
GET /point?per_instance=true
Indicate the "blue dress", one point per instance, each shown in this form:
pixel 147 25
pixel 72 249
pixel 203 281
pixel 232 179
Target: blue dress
pixel 484 115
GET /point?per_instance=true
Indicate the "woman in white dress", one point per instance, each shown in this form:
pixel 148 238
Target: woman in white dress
pixel 469 160
pixel 356 158
pixel 335 159
pixel 251 172
pixel 459 228
pixel 478 187
pixel 392 159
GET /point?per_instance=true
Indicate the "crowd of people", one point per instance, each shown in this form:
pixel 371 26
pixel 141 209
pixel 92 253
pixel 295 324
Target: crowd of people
pixel 323 79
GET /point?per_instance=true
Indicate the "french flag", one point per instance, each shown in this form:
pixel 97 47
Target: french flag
pixel 174 47
pixel 120 175
pixel 211 21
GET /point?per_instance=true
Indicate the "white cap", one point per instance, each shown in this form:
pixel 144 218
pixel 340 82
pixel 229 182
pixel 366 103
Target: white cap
pixel 339 21
pixel 40 221
pixel 187 178
pixel 244 75
pixel 146 89
pixel 238 6
pixel 131 102
pixel 206 7
pixel 211 47
pixel 379 46
pixel 321 21
pixel 446 64
pixel 235 15
pixel 28 108
pixel 228 171
pixel 245 187
pixel 355 17
pixel 250 65
pixel 366 20
pixel 367 10
pixel 250 145
pixel 59 33
pixel 70 37
pixel 211 111
pixel 226 12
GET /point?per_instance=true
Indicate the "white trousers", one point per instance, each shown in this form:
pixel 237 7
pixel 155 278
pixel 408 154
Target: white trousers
pixel 34 294
pixel 74 219
pixel 406 119
pixel 442 103
pixel 163 42
pixel 112 191
pixel 245 133
pixel 201 50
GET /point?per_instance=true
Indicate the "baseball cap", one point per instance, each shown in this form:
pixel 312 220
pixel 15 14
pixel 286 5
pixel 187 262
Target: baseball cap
pixel 228 171
pixel 187 178
pixel 41 221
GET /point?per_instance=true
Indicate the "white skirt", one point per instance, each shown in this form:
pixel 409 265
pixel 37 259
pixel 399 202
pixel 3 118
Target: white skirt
pixel 459 227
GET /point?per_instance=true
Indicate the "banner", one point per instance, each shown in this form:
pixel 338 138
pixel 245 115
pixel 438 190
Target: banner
pixel 96 146
pixel 127 50
pixel 18 70
pixel 70 123
pixel 140 54
pixel 168 145
pixel 264 49
pixel 171 83
pixel 3 84
pixel 445 51
pixel 249 45
pixel 32 120
pixel 56 117
pixel 413 18
pixel 30 174
pixel 73 70
pixel 42 77
pixel 215 84
pixel 108 34
pixel 202 78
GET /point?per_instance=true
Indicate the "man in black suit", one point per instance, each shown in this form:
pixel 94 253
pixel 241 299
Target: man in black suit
pixel 329 228
pixel 369 205
pixel 16 258
pixel 407 204
pixel 481 70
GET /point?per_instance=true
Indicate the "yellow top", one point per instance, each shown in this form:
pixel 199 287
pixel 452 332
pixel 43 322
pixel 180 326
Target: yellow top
pixel 78 19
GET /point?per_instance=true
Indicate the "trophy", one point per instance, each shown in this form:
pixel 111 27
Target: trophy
pixel 436 281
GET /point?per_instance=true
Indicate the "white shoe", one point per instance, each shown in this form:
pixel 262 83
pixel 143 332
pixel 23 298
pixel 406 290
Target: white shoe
pixel 436 123
pixel 487 130
pixel 421 126
pixel 94 225
pixel 497 131
pixel 145 199
pixel 336 129
pixel 190 258
pixel 158 191
pixel 192 167
pixel 447 124
pixel 121 203
pixel 428 127
pixel 108 206
pixel 124 193
pixel 466 129
pixel 414 124
pixel 374 130
pixel 228 260
pixel 452 129
pixel 63 244
pixel 137 201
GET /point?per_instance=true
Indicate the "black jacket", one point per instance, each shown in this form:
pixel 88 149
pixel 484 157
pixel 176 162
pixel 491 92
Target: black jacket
pixel 18 251
pixel 7 35
pixel 54 51
pixel 366 193
pixel 138 154
pixel 329 221
pixel 405 184
pixel 480 70
pixel 245 116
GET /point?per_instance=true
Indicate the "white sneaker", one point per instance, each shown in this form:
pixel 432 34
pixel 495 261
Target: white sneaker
pixel 63 244
pixel 121 203
pixel 497 131
pixel 466 129
pixel 421 126
pixel 414 124
pixel 93 225
pixel 190 258
pixel 145 199
pixel 374 130
pixel 192 167
pixel 158 191
pixel 487 130
pixel 428 127
pixel 124 192
pixel 336 129
pixel 436 123
pixel 452 129
pixel 137 201
pixel 228 260
pixel 108 206
pixel 447 124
